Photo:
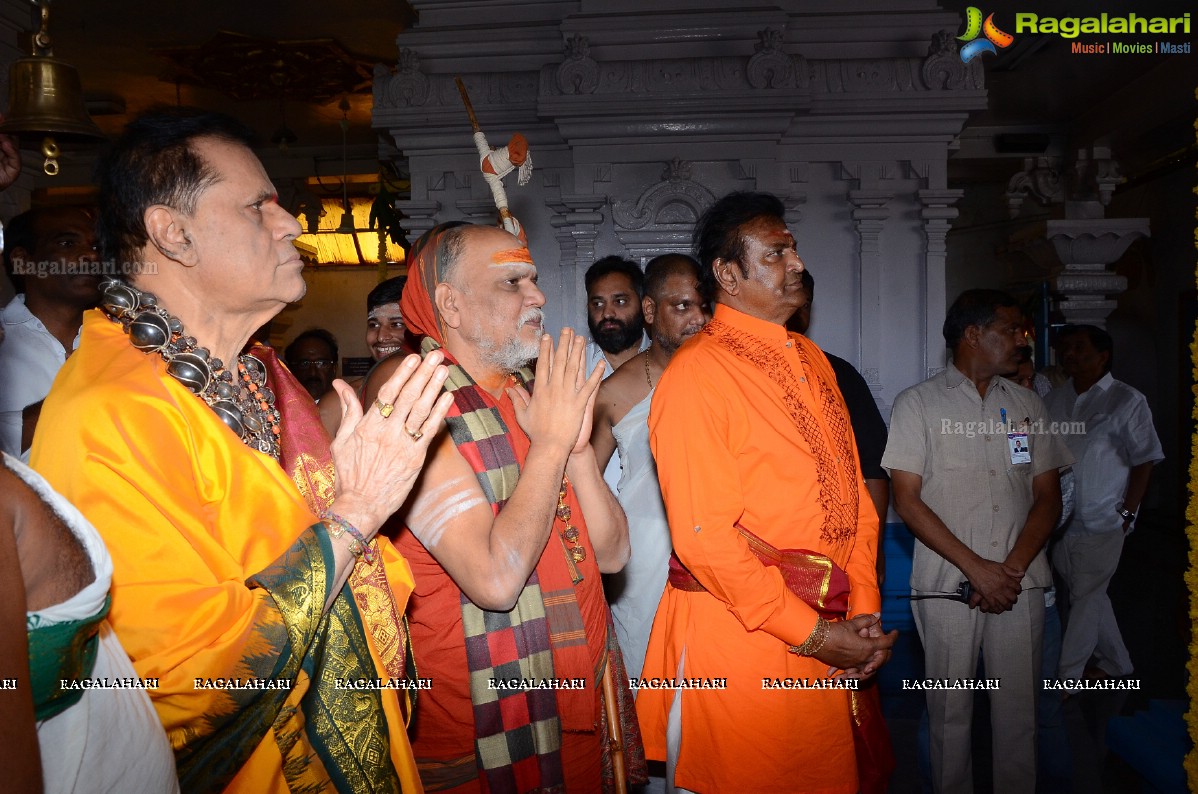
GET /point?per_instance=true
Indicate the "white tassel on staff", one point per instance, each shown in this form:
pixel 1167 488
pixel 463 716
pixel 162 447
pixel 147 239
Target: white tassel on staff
pixel 495 164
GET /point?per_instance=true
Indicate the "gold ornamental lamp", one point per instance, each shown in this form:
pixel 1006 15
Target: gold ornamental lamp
pixel 45 99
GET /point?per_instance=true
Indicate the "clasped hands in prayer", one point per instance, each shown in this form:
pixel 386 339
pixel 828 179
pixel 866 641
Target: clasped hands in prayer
pixel 559 413
pixel 377 458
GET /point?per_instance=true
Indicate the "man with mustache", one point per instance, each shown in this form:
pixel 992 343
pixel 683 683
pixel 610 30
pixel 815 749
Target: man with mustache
pixel 51 259
pixel 243 544
pixel 1115 456
pixel 312 358
pixel 507 532
pixel 974 465
pixel 614 287
pixel 674 312
pixel 774 537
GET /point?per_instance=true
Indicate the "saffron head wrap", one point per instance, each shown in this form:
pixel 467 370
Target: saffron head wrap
pixel 425 270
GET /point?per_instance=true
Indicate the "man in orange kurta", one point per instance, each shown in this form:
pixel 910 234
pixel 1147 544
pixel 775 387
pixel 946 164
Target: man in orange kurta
pixel 751 436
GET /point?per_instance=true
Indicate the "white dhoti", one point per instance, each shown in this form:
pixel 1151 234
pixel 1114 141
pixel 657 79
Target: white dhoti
pixel 111 740
pixel 635 592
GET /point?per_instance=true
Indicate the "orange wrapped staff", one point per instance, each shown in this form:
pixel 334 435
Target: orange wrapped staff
pixel 495 165
pixel 498 163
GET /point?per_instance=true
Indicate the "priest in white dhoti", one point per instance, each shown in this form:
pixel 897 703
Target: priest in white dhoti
pixel 674 311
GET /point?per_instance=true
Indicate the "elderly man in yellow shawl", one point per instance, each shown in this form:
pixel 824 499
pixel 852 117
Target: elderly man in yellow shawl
pixel 247 576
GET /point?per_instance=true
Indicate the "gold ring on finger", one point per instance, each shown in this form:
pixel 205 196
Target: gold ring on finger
pixel 384 408
pixel 415 435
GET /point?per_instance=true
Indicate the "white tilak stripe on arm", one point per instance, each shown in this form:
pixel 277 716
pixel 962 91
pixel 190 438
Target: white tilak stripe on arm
pixel 434 512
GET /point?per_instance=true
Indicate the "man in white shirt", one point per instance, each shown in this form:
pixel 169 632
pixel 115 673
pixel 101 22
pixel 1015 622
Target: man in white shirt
pixel 51 258
pixel 1108 428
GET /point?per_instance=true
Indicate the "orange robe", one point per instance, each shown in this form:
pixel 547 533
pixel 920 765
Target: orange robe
pixel 190 514
pixel 443 726
pixel 731 450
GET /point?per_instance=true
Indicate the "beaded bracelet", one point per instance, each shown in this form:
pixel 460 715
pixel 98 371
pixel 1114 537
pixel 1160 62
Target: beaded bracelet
pixel 358 545
pixel 815 640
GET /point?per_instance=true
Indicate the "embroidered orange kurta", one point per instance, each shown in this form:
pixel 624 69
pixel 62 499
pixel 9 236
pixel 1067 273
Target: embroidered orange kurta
pixel 748 428
pixel 190 514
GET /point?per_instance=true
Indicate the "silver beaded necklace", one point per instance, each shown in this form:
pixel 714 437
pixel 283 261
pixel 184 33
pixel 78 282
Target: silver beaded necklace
pixel 243 402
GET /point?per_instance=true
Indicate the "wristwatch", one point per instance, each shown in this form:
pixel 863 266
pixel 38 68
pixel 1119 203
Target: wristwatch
pixel 1125 513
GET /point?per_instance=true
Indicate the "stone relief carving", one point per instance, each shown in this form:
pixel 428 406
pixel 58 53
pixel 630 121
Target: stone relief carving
pixel 872 75
pixel 772 70
pixel 1040 178
pixel 579 73
pixel 943 69
pixel 877 74
pixel 770 67
pixel 765 71
pixel 493 88
pixel 408 86
pixel 676 170
pixel 513 87
pixel 675 201
pixel 1090 182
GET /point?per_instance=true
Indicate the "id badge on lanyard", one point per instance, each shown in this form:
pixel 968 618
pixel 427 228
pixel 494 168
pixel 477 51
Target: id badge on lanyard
pixel 1017 442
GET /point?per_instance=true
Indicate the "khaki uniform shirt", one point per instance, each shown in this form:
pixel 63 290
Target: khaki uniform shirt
pixel 945 432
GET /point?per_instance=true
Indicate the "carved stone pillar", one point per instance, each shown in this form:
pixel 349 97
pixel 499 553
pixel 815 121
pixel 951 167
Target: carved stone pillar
pixel 480 211
pixel 576 226
pixel 869 217
pixel 1086 242
pixel 938 213
pixel 419 216
pixel 1087 247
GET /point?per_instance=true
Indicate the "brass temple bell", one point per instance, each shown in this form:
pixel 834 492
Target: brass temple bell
pixel 45 99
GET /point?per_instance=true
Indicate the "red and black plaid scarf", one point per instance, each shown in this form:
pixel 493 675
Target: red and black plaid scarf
pixel 517 732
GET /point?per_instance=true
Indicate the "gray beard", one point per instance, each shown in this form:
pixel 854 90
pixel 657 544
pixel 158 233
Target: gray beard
pixel 509 356
pixel 512 354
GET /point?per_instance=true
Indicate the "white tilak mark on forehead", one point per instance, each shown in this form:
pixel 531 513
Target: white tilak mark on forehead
pixel 523 267
pixel 433 513
pixel 385 310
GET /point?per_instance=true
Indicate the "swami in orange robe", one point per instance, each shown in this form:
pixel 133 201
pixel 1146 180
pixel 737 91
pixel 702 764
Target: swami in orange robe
pixel 466 738
pixel 443 727
pixel 732 452
pixel 218 575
